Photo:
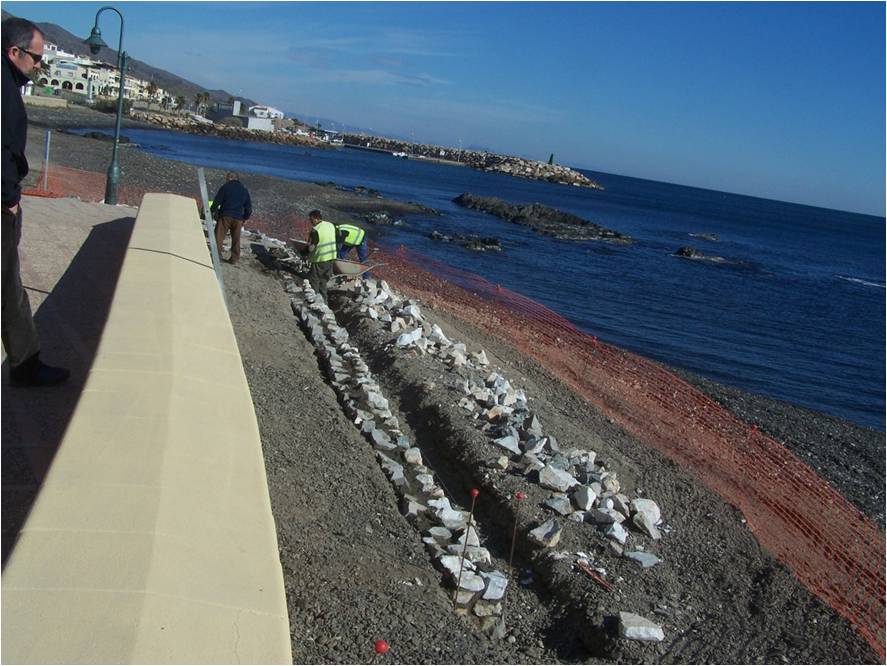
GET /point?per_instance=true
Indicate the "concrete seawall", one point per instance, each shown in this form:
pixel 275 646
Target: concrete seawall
pixel 152 539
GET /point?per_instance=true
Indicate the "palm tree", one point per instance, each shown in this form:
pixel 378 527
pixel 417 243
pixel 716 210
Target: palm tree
pixel 180 101
pixel 152 90
pixel 201 99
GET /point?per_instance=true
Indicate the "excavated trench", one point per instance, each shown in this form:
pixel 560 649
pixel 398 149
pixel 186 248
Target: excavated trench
pixel 714 591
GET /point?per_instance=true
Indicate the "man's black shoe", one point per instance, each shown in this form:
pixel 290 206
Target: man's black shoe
pixel 34 372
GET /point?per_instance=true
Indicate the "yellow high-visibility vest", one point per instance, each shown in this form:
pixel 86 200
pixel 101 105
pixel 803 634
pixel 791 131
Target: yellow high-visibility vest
pixel 354 234
pixel 325 250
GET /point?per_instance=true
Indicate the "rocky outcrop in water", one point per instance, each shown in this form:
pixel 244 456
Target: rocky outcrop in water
pixel 687 252
pixel 469 242
pixel 544 219
pixel 482 160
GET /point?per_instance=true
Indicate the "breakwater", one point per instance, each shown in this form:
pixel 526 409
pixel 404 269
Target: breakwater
pixel 481 160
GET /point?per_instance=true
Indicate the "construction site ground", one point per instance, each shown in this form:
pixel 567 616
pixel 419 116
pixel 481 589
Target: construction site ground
pixel 356 570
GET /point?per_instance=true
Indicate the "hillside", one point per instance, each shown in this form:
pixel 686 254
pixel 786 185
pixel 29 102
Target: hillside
pixel 173 83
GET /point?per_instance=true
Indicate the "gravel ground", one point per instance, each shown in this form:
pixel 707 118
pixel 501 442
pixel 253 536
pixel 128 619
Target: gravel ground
pixel 355 569
pixel 353 565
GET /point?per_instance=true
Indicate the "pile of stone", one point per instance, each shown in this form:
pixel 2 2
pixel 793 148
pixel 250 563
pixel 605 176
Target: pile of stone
pixel 450 535
pixel 582 489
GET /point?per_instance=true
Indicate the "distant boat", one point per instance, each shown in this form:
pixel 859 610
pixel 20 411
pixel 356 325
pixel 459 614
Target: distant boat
pixel 400 154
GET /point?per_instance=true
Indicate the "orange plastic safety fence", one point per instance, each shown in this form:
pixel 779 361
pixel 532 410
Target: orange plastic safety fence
pixel 90 186
pixel 833 549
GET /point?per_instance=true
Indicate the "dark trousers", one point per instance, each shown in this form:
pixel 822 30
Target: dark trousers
pixel 19 333
pixel 319 275
pixel 362 251
pixel 223 226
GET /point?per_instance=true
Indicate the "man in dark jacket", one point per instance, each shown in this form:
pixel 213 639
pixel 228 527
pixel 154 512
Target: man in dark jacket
pixel 22 51
pixel 231 207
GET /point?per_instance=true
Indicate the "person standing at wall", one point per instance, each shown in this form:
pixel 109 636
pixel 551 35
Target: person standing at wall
pixel 231 207
pixel 23 45
pixel 321 252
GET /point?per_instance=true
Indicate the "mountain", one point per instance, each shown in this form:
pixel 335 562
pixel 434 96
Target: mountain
pixel 172 83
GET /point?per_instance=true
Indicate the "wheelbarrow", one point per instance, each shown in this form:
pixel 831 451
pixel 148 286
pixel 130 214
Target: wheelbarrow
pixel 342 268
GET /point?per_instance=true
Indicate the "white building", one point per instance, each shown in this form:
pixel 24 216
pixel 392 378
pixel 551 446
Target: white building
pixel 260 111
pixel 75 73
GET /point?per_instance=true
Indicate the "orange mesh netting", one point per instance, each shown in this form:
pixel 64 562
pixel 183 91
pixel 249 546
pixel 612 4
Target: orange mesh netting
pixel 833 549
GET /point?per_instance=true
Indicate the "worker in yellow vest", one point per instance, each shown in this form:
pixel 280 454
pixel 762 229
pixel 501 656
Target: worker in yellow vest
pixel 321 252
pixel 352 237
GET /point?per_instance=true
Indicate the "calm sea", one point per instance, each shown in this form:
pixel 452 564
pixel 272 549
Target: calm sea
pixel 797 312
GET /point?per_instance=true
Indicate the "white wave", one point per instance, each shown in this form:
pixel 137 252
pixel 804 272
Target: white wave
pixel 860 281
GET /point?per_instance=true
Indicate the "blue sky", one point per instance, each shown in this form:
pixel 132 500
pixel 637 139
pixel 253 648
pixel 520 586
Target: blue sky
pixel 779 100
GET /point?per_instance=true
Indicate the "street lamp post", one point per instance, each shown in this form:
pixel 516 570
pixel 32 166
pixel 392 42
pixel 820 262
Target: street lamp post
pixel 95 43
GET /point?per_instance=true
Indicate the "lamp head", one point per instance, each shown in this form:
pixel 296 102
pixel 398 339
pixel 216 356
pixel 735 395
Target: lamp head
pixel 95 40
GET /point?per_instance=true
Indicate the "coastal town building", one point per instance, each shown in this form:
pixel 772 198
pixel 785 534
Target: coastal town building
pixel 88 76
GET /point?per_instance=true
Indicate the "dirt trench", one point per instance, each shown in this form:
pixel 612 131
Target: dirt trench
pixel 353 564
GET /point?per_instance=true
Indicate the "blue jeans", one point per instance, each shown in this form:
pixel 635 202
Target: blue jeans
pixel 362 251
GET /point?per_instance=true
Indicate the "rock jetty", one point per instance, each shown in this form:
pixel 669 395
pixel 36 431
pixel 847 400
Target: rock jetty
pixel 544 219
pixel 482 160
pixel 187 124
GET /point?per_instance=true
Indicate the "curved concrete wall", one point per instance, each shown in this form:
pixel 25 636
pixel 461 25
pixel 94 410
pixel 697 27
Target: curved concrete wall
pixel 152 539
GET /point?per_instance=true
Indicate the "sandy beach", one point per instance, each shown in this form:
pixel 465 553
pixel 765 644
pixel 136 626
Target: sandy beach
pixel 356 570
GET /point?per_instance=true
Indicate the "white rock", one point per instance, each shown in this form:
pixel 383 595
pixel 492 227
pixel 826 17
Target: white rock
pixel 611 484
pixel 471 535
pixel 496 584
pixel 621 504
pixel 637 628
pixel 439 504
pixel 481 358
pixel 556 479
pixel 584 498
pixel 617 533
pixel 451 564
pixel 411 508
pixel 644 524
pixel 441 533
pixel 559 504
pixel 509 442
pixel 437 335
pixel 606 516
pixel 646 560
pixel 470 581
pixel 413 456
pixel 412 311
pixel 475 554
pixel 648 507
pixel 450 518
pixel 407 339
pixel 547 534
